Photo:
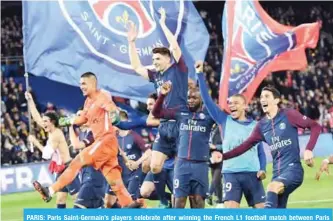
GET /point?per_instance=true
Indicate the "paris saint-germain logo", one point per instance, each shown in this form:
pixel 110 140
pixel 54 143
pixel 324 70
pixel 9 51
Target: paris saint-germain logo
pixel 102 27
pixel 253 46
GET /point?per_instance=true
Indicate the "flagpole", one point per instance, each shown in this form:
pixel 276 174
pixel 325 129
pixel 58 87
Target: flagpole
pixel 26 76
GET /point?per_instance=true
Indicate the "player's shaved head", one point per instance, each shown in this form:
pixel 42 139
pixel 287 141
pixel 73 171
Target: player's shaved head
pixel 88 83
pixel 241 96
pixel 88 75
pixel 237 105
pixel 91 76
pixel 194 99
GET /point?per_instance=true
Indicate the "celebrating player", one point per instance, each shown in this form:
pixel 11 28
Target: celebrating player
pixel 279 130
pixel 191 169
pixel 166 70
pixel 56 149
pixel 147 189
pixel 243 174
pixel 102 154
pixel 92 181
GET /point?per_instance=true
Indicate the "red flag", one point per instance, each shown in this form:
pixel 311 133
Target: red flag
pixel 255 45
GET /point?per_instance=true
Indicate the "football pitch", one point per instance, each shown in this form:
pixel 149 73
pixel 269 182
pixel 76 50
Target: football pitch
pixel 312 194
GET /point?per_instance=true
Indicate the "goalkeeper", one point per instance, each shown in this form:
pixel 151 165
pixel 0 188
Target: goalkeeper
pixel 102 154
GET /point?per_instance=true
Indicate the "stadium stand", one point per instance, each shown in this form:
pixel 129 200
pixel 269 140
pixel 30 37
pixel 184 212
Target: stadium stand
pixel 308 91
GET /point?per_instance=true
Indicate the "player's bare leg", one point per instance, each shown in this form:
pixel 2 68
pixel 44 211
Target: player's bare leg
pixel 66 178
pixel 157 161
pixel 274 188
pixel 146 189
pixel 197 202
pixel 180 202
pixel 231 204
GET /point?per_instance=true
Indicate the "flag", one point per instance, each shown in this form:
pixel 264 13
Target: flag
pixel 63 39
pixel 255 45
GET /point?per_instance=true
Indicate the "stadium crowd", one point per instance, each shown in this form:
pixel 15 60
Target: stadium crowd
pixel 308 91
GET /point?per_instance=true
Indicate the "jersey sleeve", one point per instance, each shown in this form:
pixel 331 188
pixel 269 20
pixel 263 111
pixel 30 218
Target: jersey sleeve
pixel 298 120
pixel 182 65
pixel 254 138
pixel 129 125
pixel 139 141
pixel 152 75
pixel 262 156
pixel 82 119
pixel 160 112
pixel 108 103
pixel 215 112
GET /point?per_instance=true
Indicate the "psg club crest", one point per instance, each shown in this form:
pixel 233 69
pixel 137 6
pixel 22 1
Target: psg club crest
pixel 202 116
pixel 253 46
pixel 102 26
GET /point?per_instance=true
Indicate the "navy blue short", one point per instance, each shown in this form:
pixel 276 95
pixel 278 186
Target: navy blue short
pixel 72 188
pixel 132 184
pixel 91 196
pixel 190 178
pixel 167 138
pixel 291 178
pixel 247 183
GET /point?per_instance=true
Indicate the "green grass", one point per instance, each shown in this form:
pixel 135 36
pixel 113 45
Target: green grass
pixel 312 194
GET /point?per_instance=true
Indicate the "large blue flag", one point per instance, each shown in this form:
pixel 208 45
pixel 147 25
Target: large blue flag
pixel 63 39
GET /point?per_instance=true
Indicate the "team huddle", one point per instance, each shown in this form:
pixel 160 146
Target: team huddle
pixel 116 169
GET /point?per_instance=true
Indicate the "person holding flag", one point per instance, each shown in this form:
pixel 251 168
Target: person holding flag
pixel 56 150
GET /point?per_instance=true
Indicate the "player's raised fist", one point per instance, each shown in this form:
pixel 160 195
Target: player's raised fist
pixel 198 66
pixel 132 33
pixel 163 15
pixel 166 87
pixel 28 96
pixel 31 138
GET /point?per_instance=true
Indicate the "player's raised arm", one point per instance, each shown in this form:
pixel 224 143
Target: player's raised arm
pixel 133 54
pixel 250 142
pixel 298 120
pixel 34 112
pixel 175 49
pixel 158 110
pixel 215 112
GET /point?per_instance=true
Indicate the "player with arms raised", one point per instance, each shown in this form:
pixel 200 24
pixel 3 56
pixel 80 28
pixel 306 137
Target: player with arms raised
pixel 191 167
pixel 56 149
pixel 166 70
